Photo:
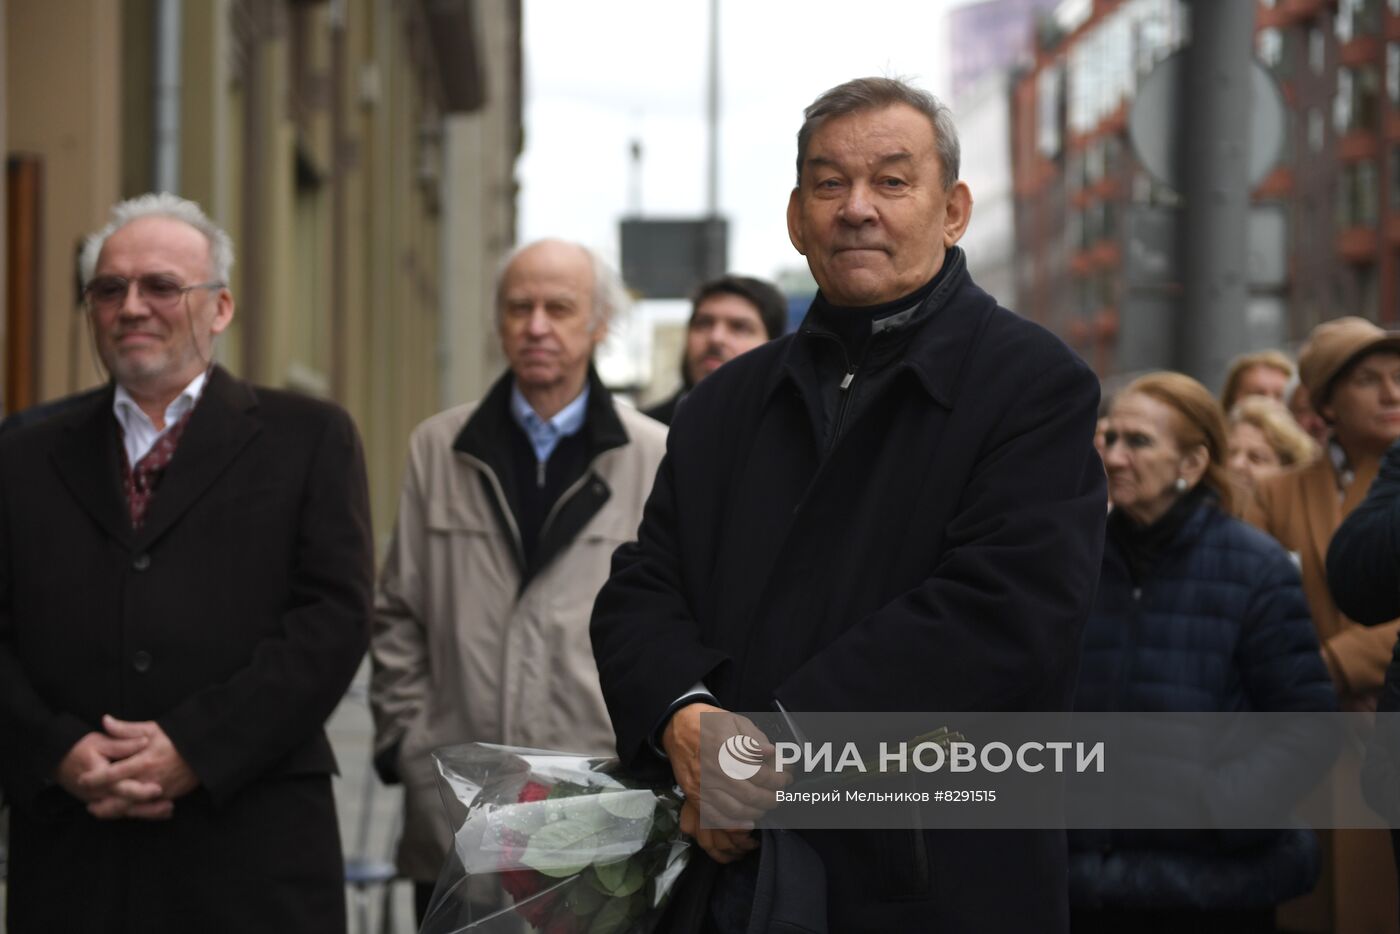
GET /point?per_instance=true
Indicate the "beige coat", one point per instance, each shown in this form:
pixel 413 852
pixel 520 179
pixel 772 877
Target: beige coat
pixel 458 655
pixel 1302 510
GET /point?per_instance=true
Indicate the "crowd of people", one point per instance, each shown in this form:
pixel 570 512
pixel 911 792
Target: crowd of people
pixel 898 507
pixel 1196 610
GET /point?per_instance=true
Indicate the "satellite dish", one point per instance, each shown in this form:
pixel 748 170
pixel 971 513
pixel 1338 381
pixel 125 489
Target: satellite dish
pixel 1154 118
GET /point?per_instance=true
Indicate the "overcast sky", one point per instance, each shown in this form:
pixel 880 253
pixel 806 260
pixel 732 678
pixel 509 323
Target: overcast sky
pixel 600 74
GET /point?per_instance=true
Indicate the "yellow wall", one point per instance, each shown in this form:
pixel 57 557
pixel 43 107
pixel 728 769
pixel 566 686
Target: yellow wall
pixel 62 51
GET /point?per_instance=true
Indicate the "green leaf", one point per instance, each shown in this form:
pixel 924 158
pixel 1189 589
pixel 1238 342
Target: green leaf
pixel 632 805
pixel 584 900
pixel 615 915
pixel 523 818
pixel 664 827
pixel 561 848
pixel 620 878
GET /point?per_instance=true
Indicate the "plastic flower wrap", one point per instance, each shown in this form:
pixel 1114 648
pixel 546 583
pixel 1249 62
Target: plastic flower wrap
pixel 552 842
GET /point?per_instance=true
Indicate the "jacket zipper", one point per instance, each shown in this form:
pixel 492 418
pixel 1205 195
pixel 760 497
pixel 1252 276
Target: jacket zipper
pixel 588 476
pixel 845 396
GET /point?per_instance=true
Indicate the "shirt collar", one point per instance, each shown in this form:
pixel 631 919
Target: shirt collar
pixel 1341 465
pixel 126 408
pixel 544 433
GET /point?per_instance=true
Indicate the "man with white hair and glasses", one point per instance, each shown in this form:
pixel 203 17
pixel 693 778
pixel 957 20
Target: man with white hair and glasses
pixel 185 587
pixel 510 511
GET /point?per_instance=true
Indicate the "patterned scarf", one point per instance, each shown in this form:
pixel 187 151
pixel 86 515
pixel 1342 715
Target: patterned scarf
pixel 140 484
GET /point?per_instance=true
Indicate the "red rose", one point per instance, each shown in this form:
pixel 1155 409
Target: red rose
pixel 533 791
pixel 522 883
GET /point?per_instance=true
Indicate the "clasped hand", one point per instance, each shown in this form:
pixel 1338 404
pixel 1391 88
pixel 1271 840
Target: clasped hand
pixel 735 805
pixel 131 769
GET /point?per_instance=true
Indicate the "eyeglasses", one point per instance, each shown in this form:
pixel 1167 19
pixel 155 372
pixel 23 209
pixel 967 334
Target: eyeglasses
pixel 106 293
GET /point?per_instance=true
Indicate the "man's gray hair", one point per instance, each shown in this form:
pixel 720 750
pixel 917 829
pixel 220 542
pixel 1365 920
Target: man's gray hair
pixel 162 204
pixel 610 295
pixel 876 93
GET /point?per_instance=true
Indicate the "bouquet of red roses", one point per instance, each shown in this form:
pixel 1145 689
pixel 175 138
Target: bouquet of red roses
pixel 552 842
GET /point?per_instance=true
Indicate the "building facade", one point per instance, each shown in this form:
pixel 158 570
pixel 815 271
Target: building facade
pixel 1095 232
pixel 360 152
pixel 1076 180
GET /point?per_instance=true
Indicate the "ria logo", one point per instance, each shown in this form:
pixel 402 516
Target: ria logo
pixel 740 757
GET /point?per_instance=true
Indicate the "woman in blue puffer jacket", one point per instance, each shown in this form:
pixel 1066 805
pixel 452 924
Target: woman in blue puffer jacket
pixel 1195 611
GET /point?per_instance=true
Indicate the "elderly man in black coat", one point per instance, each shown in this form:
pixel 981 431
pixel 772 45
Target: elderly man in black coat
pixel 897 508
pixel 185 580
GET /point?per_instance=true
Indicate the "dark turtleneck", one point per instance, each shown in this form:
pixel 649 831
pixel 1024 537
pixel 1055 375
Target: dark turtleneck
pixel 854 326
pixel 1143 545
pixel 865 343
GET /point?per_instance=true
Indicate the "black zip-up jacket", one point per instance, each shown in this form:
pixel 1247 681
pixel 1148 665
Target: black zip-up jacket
pixel 940 556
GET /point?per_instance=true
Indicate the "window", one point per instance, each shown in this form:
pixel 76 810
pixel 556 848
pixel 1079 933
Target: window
pixel 1093 224
pixel 1357 104
pixel 1108 226
pixel 1269 44
pixel 1392 73
pixel 1393 157
pixel 1341 104
pixel 1368 292
pixel 1112 156
pixel 1093 163
pixel 1357 194
pixel 1357 18
pixel 1050 108
pixel 1316 130
pixel 1317 50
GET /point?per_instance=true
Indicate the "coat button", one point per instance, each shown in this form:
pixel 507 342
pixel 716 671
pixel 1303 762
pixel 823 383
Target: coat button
pixel 141 562
pixel 141 661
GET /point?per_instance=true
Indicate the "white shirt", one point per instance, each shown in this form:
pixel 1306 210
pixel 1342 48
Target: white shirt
pixel 139 433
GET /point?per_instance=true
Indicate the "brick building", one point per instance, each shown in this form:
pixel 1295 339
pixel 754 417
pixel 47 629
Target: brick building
pixel 1095 233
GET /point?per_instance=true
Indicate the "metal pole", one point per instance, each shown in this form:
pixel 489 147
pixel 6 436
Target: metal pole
pixel 712 116
pixel 1216 102
pixel 166 105
pixel 634 179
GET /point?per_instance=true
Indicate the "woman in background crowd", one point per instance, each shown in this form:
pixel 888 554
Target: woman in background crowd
pixel 1266 373
pixel 1265 441
pixel 1195 611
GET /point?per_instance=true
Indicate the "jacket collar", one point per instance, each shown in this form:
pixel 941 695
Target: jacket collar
pixel 1322 506
pixel 935 339
pixel 87 457
pixel 484 435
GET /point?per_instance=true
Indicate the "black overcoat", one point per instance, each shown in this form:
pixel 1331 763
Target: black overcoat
pixel 235 619
pixel 941 557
